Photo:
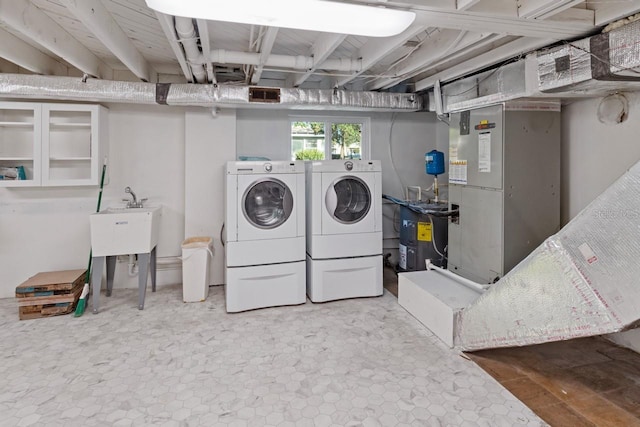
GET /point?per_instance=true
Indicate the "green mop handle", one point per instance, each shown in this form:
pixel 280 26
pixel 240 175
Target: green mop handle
pixel 104 170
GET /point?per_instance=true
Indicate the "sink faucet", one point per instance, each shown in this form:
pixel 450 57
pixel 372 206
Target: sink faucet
pixel 135 203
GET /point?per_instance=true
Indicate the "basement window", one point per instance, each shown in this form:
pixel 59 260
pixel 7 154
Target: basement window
pixel 318 138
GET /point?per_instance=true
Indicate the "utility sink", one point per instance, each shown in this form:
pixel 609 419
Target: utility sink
pixel 123 231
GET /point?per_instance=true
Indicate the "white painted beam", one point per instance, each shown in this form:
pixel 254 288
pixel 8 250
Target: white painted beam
pixel 544 8
pixel 444 42
pixel 478 22
pixel 433 4
pixel 574 14
pixel 266 45
pixel 375 49
pixel 203 31
pixel 24 17
pixel 502 53
pixel 167 25
pixel 616 10
pixel 324 46
pixel 466 4
pixel 99 21
pixel 28 57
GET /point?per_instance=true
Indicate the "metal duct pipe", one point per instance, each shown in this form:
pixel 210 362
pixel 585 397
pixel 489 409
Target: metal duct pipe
pixel 187 35
pixel 299 62
pixel 17 86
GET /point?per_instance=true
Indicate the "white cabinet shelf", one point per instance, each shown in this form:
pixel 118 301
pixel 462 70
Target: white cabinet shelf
pixel 16 124
pixel 54 144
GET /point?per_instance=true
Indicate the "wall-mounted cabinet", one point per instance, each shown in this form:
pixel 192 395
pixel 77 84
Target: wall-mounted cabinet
pixel 52 144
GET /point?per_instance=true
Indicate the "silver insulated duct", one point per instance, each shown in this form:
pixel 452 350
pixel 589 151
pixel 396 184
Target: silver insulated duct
pixel 17 86
pixel 603 62
pixel 583 281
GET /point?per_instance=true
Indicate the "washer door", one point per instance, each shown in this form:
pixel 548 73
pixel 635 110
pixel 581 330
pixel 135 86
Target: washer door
pixel 267 203
pixel 348 200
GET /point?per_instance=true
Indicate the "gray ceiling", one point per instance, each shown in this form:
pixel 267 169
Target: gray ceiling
pixel 125 40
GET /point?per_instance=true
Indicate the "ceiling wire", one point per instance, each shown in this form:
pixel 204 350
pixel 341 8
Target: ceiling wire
pixel 479 82
pixel 454 43
pixel 519 57
pixel 603 60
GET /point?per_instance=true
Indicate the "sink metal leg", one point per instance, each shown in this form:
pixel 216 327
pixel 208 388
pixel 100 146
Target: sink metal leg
pixel 111 269
pixel 96 280
pixel 153 270
pixel 143 272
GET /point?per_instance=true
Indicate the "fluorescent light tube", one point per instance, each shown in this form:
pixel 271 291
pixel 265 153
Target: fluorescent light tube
pixel 313 15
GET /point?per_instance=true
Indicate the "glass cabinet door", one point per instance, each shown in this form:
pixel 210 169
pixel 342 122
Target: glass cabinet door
pixel 19 144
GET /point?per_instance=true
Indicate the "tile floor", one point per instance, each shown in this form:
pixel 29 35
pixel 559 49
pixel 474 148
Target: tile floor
pixel 363 362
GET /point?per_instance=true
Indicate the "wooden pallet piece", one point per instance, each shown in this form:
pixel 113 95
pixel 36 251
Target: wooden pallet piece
pixel 71 296
pixel 44 311
pixel 49 294
pixel 52 281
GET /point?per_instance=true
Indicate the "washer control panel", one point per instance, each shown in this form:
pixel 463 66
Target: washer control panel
pixel 359 166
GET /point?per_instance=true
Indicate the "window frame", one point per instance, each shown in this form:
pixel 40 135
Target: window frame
pixel 364 122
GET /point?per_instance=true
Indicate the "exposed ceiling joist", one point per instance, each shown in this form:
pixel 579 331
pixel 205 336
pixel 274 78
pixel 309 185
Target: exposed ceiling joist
pixel 499 54
pixel 466 4
pixel 443 42
pixel 574 14
pixel 27 19
pixel 616 10
pixel 376 49
pixel 436 47
pixel 28 57
pixel 478 22
pixel 99 21
pixel 432 4
pixel 544 8
pixel 322 48
pixel 203 31
pixel 266 45
pixel 166 22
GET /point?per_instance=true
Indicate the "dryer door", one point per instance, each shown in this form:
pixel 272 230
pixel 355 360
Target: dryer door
pixel 348 200
pixel 348 204
pixel 267 205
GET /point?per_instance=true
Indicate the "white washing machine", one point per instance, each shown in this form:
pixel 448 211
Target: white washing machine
pixel 265 234
pixel 344 229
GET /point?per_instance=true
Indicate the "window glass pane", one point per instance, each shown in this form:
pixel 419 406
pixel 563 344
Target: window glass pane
pixel 346 140
pixel 307 140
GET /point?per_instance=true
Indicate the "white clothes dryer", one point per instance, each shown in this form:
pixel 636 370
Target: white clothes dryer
pixel 344 229
pixel 265 234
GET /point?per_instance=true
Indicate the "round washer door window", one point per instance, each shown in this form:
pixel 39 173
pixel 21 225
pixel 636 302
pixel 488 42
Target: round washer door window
pixel 267 203
pixel 348 199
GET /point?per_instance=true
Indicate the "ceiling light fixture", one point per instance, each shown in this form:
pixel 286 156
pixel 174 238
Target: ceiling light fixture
pixel 313 15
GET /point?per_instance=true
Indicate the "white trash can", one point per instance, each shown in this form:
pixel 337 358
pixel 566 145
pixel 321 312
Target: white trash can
pixel 196 255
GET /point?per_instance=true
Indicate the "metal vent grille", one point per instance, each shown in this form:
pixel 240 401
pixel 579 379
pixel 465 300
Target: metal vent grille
pixel 264 94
